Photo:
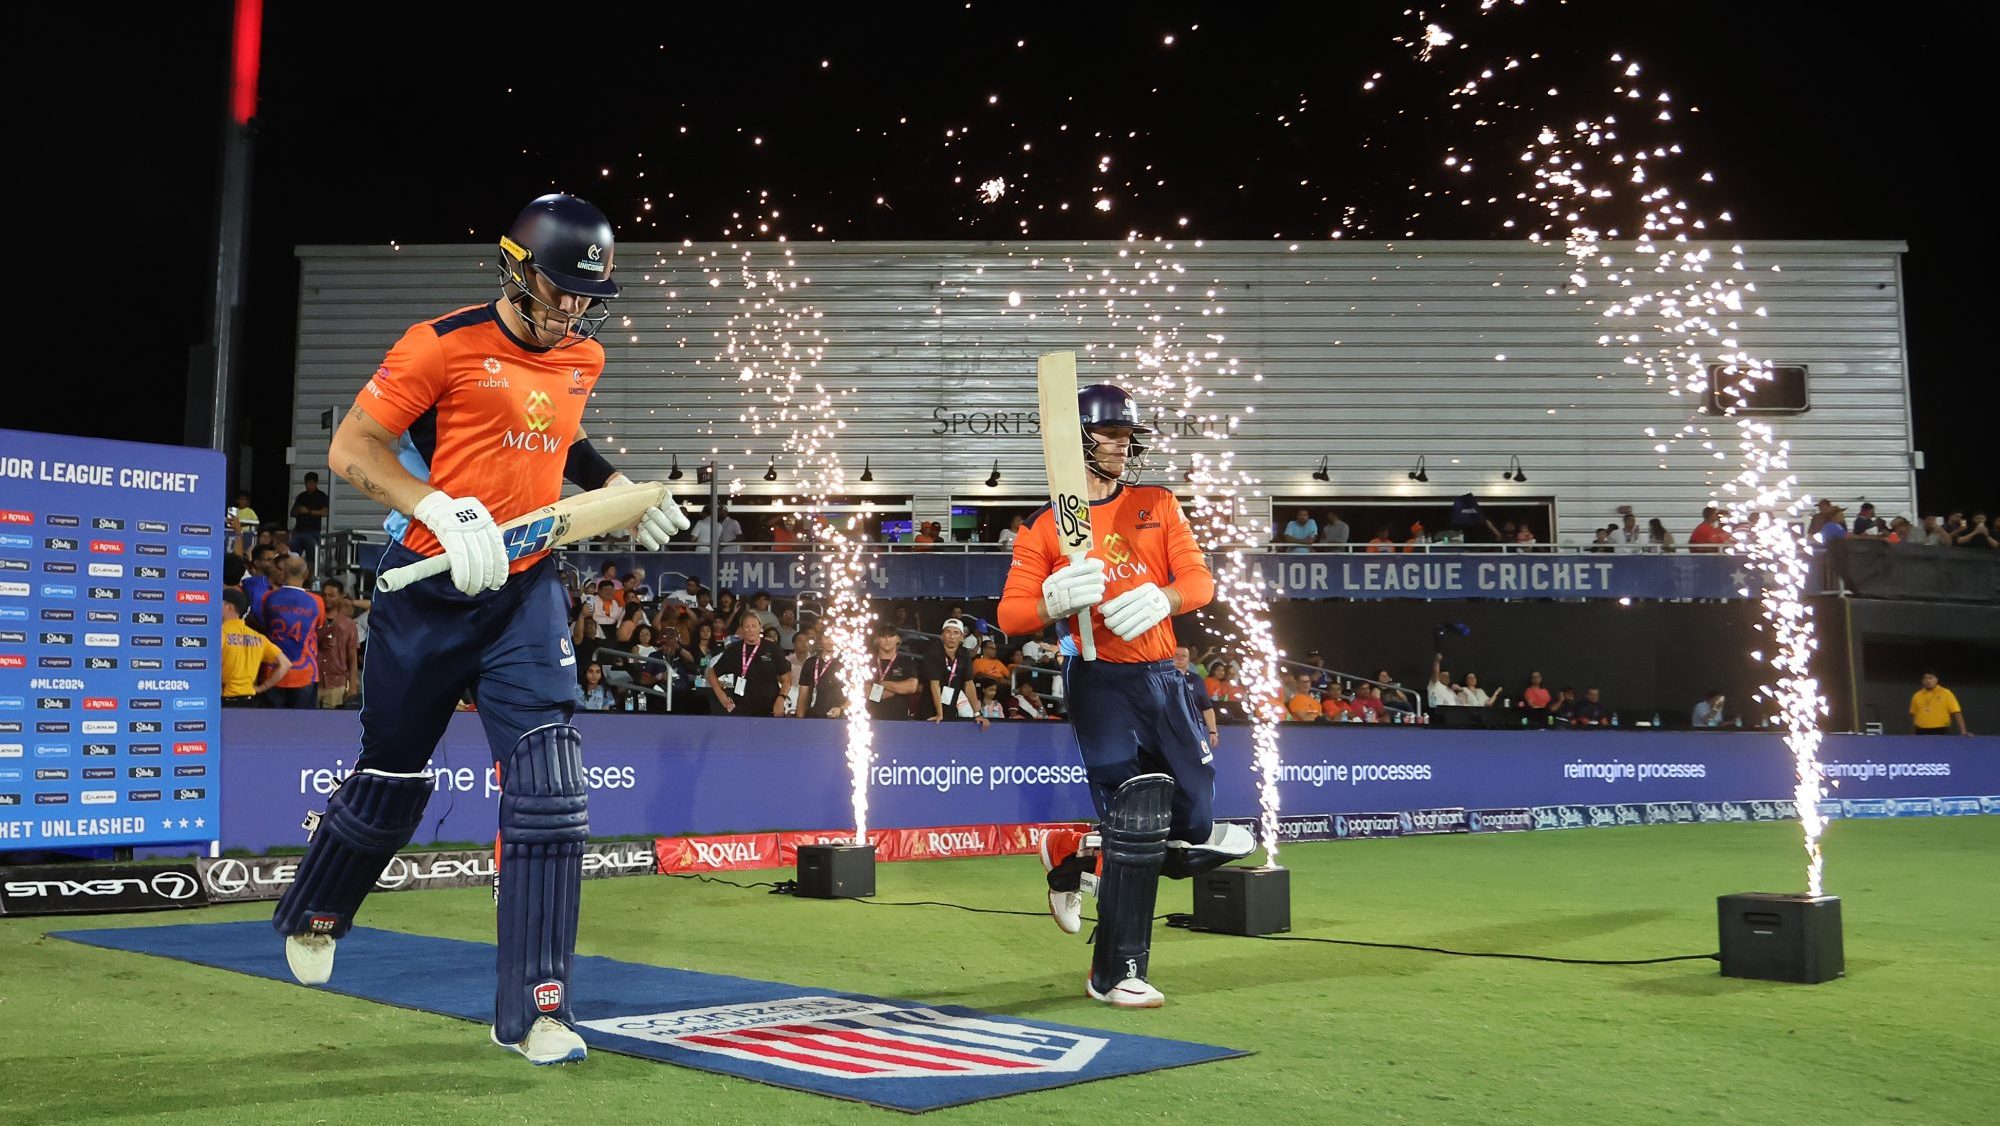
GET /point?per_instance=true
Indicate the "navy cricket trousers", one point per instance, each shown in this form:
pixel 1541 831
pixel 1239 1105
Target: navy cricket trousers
pixel 1133 719
pixel 428 643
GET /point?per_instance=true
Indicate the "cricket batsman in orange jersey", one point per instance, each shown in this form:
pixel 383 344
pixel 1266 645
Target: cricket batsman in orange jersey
pixel 1150 767
pixel 472 420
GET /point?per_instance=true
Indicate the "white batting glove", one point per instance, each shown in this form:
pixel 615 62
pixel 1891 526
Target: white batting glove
pixel 1137 610
pixel 471 540
pixel 657 524
pixel 1073 589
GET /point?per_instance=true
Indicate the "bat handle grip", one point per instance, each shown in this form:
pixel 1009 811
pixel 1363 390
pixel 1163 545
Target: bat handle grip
pixel 396 578
pixel 1086 643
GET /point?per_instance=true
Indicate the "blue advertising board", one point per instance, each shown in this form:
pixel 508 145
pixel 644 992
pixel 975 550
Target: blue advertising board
pixel 110 623
pixel 1352 577
pixel 671 775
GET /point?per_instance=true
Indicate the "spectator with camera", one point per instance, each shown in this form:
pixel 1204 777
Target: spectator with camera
pixel 1977 534
pixel 1707 711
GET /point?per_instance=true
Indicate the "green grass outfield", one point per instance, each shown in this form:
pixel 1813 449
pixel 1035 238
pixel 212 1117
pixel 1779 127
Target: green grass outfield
pixel 1342 1033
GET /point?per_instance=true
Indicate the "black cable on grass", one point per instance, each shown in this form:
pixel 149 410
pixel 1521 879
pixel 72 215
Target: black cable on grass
pixel 1491 954
pixel 1186 921
pixel 783 887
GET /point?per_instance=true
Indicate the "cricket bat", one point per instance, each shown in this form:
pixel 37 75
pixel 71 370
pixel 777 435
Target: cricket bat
pixel 610 509
pixel 1062 452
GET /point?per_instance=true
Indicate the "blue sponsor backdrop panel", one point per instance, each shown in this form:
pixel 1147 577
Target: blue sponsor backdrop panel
pixel 110 624
pixel 672 775
pixel 1445 575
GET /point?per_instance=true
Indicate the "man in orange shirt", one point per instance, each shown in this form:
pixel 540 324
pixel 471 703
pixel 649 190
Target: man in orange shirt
pixel 1303 706
pixel 1148 763
pixel 474 419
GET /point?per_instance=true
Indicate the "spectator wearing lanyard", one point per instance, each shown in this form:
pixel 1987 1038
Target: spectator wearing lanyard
pixel 751 676
pixel 948 675
pixel 821 692
pixel 894 685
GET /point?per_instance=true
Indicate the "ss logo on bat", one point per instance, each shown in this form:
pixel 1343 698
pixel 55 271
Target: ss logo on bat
pixel 538 536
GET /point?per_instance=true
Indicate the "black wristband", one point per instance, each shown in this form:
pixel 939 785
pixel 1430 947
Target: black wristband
pixel 586 467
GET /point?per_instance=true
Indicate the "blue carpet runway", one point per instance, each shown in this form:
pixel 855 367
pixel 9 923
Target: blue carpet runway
pixel 903 1055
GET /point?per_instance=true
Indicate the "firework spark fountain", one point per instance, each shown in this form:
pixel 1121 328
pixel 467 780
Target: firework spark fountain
pixel 774 347
pixel 1676 315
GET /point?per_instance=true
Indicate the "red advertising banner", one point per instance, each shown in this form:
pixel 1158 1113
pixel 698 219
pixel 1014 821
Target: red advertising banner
pixel 717 854
pixel 781 850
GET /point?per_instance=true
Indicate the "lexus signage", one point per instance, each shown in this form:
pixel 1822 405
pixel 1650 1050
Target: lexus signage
pixel 231 879
pixel 93 889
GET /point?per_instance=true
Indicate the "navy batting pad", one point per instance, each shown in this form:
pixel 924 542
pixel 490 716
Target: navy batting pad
pixel 904 1055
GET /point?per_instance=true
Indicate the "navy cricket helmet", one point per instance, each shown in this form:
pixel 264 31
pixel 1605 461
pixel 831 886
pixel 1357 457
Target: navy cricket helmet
pixel 569 242
pixel 1107 404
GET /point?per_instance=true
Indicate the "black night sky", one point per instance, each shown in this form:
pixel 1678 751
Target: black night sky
pixel 423 123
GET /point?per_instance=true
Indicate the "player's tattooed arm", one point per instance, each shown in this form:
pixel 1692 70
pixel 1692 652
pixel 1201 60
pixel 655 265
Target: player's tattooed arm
pixel 360 479
pixel 363 452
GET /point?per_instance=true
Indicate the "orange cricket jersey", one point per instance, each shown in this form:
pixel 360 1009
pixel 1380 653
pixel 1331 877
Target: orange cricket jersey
pixel 490 414
pixel 1142 538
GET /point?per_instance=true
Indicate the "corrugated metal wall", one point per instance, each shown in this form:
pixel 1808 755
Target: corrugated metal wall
pixel 1368 355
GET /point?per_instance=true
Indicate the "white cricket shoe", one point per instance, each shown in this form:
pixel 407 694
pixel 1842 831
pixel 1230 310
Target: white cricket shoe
pixel 1059 847
pixel 1066 908
pixel 311 957
pixel 548 1041
pixel 1132 993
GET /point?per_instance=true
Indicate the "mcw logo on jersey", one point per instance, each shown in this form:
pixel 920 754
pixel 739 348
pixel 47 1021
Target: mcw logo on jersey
pixel 1117 552
pixel 858 1038
pixel 540 416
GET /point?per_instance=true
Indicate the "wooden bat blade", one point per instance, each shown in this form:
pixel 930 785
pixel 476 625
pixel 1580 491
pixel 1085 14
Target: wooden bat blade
pixel 1062 453
pixel 610 509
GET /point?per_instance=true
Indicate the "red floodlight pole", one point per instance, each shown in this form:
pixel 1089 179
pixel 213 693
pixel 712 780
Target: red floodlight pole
pixel 211 416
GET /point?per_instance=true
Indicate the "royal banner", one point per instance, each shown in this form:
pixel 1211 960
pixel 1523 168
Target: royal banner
pixel 758 850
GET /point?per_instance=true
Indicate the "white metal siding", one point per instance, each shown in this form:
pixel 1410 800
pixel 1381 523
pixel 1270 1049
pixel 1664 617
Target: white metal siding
pixel 1370 356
